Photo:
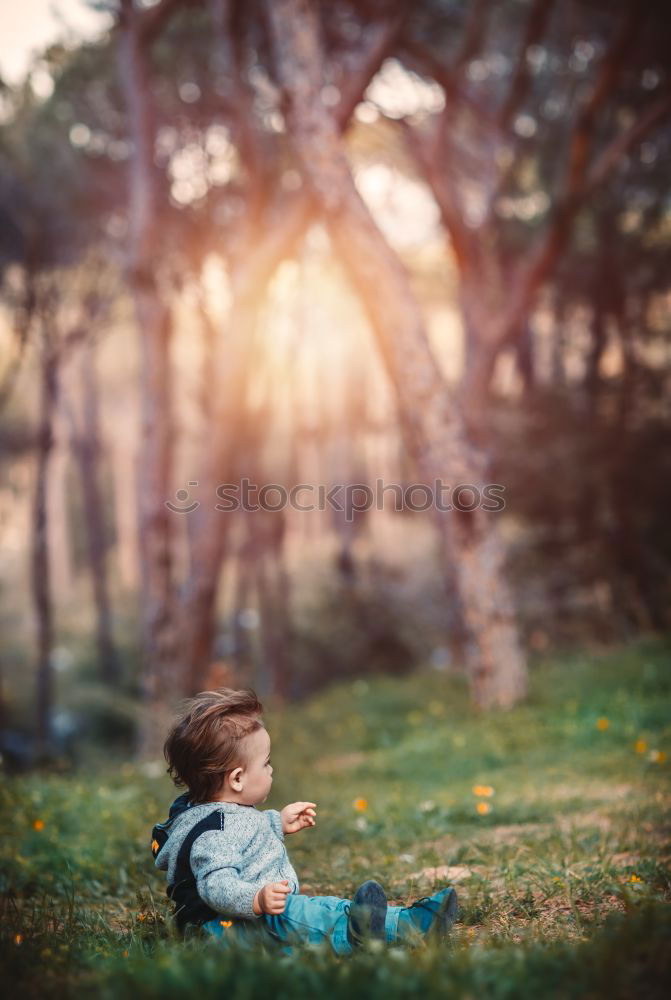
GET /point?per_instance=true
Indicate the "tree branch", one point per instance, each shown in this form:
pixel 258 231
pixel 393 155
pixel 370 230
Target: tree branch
pixel 535 29
pixel 292 216
pixel 621 144
pixel 421 60
pixel 530 275
pixel 474 34
pixel 424 151
pixel 621 45
pixel 354 86
pixel 152 20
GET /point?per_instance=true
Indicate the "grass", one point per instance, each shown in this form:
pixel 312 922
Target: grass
pixel 563 874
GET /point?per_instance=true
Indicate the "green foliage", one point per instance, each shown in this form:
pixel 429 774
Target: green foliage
pixel 381 623
pixel 563 882
pixel 591 544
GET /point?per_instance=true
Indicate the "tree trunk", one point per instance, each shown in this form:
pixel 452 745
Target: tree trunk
pixel 41 588
pixel 159 640
pixel 60 543
pixel 557 374
pixel 232 354
pixel 285 225
pixel 243 651
pixel 524 358
pixel 274 600
pixel 210 529
pixel 125 505
pixel 432 423
pixel 86 445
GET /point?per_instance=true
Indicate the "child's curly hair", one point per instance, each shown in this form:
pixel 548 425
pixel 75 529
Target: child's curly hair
pixel 204 743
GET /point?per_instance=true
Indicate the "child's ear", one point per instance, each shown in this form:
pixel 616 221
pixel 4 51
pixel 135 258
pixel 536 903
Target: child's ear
pixel 235 778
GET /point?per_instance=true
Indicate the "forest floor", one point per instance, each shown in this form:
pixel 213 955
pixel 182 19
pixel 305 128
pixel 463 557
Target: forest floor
pixel 552 821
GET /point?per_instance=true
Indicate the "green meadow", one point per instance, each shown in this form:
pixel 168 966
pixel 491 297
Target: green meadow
pixel 551 820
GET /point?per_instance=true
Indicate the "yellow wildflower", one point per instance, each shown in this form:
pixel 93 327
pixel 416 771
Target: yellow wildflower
pixel 483 808
pixel 142 917
pixel 485 790
pixel 38 824
pixel 360 804
pixel 640 746
pixel 226 923
pixel 635 878
pixel 602 723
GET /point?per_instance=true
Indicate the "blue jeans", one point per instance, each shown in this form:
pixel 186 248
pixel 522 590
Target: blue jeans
pixel 305 919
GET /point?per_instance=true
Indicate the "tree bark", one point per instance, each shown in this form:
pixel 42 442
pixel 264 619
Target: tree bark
pixel 432 423
pixel 60 542
pixel 125 505
pixel 159 640
pixel 41 577
pixel 230 374
pixel 272 582
pixel 86 446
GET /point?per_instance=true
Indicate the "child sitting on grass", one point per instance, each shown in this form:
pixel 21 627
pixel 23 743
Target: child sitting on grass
pixel 228 868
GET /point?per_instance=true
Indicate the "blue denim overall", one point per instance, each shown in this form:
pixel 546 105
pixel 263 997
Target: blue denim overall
pixel 305 919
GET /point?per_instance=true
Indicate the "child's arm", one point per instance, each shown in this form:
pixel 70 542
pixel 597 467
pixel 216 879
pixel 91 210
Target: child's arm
pixel 216 861
pixel 272 898
pixel 275 818
pixel 297 815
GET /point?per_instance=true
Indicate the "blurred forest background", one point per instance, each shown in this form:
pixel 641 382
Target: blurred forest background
pixel 328 243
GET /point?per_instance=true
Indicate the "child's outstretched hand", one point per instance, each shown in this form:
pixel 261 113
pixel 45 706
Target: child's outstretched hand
pixel 297 815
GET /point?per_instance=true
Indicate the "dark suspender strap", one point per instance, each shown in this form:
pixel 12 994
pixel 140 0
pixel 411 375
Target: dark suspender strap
pixel 161 831
pixel 189 907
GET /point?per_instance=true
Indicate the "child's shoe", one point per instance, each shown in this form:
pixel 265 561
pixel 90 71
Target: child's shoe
pixel 431 916
pixel 367 914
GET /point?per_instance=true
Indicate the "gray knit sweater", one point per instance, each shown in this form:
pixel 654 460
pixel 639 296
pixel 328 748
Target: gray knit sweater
pixel 230 865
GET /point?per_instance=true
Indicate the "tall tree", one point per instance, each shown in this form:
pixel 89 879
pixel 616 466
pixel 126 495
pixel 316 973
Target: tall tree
pixel 137 29
pixel 54 345
pixel 43 238
pixel 431 420
pixel 85 440
pixel 271 226
pixel 510 173
pixel 40 576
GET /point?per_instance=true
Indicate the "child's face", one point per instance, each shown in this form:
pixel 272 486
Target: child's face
pixel 257 774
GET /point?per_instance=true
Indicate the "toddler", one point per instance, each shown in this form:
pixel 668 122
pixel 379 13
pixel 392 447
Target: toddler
pixel 227 865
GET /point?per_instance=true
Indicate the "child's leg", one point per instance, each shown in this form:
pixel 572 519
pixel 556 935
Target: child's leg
pixel 238 930
pixel 318 918
pixel 428 916
pixel 305 919
pixel 313 919
pixel 391 924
